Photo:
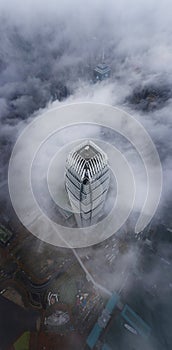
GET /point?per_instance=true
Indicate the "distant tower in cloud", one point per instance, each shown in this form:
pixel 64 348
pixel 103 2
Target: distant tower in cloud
pixel 87 180
pixel 101 72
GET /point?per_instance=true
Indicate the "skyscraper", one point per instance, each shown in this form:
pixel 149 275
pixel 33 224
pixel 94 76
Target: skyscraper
pixel 87 181
pixel 101 72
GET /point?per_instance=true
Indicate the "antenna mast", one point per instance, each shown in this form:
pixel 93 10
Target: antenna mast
pixel 103 55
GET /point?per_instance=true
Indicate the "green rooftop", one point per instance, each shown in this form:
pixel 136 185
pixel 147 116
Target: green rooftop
pixel 5 235
pixel 23 342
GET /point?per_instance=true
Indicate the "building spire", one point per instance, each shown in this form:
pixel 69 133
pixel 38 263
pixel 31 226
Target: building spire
pixel 103 55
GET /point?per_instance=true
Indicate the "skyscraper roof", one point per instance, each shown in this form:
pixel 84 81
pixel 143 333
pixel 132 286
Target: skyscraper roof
pixel 87 158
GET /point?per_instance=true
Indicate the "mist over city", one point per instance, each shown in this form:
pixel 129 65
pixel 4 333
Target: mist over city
pixel 111 291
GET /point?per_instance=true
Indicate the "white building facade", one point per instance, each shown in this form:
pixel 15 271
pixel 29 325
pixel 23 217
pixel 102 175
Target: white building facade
pixel 87 180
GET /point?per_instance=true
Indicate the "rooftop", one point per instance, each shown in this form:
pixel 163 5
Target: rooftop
pixel 102 321
pixel 102 66
pixel 87 152
pixel 87 157
pixel 5 235
pixel 136 321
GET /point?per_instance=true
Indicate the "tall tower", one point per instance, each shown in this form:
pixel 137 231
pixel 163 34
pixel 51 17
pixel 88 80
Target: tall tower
pixel 101 72
pixel 87 181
